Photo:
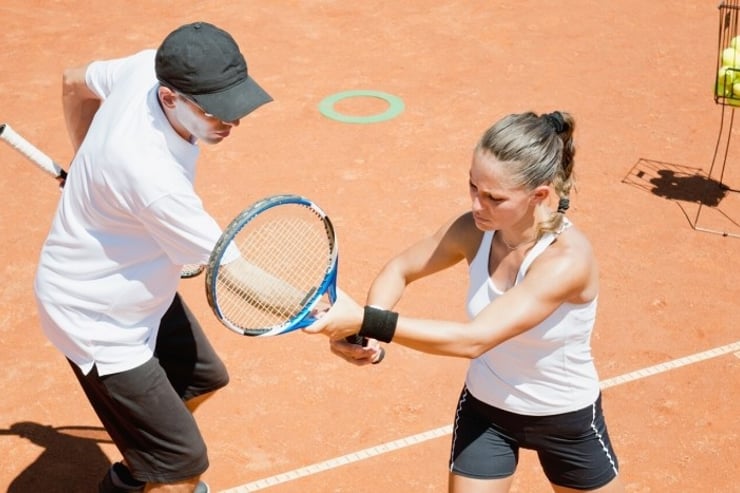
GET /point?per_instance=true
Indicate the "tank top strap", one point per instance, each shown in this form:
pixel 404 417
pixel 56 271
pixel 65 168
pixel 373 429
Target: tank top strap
pixel 537 250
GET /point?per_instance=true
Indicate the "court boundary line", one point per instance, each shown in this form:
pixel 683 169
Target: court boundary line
pixel 383 448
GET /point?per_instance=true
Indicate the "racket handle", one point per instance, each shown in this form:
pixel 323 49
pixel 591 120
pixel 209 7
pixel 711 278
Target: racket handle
pixel 31 152
pixel 357 339
pixel 191 270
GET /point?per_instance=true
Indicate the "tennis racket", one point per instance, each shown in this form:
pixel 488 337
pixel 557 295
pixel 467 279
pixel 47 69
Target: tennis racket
pixel 49 166
pixel 272 265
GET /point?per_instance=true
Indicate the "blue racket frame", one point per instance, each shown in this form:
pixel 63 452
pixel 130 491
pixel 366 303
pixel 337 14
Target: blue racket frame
pixel 327 286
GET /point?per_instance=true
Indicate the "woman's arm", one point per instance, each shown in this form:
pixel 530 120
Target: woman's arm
pixel 446 247
pixel 559 275
pixel 431 254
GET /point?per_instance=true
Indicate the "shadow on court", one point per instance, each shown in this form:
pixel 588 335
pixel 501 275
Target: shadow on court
pixel 71 460
pixel 676 182
pixel 692 190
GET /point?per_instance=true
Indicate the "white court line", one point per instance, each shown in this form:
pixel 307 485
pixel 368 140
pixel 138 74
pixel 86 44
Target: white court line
pixel 446 430
pixel 670 365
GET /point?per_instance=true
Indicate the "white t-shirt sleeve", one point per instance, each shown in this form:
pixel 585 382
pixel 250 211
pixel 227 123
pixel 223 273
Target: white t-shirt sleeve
pixel 180 225
pixel 101 76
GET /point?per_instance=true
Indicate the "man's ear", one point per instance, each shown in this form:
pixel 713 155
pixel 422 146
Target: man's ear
pixel 167 97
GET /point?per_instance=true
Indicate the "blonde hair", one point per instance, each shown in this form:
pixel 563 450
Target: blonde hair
pixel 538 150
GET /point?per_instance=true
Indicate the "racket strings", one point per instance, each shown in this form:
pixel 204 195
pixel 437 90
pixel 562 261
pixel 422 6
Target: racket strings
pixel 282 259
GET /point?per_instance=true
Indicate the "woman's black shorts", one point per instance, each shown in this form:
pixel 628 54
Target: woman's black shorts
pixel 573 448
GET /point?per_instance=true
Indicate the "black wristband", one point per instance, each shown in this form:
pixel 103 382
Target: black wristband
pixel 378 324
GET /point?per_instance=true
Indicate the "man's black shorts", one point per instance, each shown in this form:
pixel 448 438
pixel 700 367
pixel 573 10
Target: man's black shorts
pixel 143 409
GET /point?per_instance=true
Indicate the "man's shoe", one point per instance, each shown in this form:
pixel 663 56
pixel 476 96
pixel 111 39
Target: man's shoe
pixel 118 480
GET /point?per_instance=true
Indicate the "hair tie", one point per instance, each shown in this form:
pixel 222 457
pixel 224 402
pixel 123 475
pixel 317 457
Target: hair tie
pixel 556 121
pixel 563 205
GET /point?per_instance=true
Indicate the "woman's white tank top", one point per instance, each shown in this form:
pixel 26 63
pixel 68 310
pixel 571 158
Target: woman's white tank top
pixel 544 371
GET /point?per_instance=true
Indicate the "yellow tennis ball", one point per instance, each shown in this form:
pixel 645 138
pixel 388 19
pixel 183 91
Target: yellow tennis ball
pixel 736 90
pixel 730 58
pixel 735 42
pixel 725 80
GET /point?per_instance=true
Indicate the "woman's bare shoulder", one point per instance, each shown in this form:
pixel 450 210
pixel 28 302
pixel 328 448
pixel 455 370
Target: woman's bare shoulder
pixel 570 259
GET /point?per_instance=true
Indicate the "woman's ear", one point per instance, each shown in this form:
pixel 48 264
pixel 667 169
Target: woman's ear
pixel 540 195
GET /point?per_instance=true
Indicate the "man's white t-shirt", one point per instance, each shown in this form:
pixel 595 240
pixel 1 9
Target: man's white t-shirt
pixel 128 219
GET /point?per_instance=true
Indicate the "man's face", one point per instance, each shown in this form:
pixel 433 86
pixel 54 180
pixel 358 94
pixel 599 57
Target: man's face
pixel 199 124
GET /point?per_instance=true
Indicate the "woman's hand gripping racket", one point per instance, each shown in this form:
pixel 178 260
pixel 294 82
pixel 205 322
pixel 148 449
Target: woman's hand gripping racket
pixel 272 266
pixel 51 167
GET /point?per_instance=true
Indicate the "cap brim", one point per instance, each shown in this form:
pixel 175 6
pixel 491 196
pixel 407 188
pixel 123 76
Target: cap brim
pixel 235 102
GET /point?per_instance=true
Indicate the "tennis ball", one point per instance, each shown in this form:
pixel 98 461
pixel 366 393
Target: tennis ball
pixel 732 97
pixel 730 58
pixel 725 80
pixel 735 42
pixel 736 90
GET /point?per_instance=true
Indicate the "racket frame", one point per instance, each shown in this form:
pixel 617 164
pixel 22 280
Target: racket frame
pixel 328 285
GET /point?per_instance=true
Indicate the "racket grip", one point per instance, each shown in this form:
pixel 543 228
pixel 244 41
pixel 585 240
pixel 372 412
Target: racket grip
pixel 31 152
pixel 357 339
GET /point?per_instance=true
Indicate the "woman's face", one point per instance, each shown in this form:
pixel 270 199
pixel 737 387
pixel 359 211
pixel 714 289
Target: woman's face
pixel 497 203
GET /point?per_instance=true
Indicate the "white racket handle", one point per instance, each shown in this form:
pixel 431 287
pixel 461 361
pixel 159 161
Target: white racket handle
pixel 31 152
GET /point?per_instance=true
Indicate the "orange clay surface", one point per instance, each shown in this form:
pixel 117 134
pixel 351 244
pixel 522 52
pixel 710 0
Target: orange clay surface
pixel 638 77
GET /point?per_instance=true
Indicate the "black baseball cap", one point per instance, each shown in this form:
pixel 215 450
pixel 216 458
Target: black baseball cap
pixel 203 62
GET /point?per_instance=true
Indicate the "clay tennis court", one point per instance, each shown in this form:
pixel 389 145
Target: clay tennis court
pixel 637 76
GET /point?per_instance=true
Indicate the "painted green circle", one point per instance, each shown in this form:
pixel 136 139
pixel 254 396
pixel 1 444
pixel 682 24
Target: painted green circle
pixel 395 106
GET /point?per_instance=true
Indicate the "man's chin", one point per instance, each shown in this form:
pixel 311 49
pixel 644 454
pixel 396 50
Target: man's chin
pixel 212 139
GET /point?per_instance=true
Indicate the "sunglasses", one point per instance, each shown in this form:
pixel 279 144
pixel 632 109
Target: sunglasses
pixel 197 106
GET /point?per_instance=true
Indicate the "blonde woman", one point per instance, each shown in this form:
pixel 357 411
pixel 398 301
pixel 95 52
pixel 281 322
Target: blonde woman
pixel 532 301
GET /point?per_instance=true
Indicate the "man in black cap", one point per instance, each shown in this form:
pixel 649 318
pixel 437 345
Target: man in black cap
pixel 127 221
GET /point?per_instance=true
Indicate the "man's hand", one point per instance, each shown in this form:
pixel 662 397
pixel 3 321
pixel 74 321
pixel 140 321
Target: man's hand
pixel 372 354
